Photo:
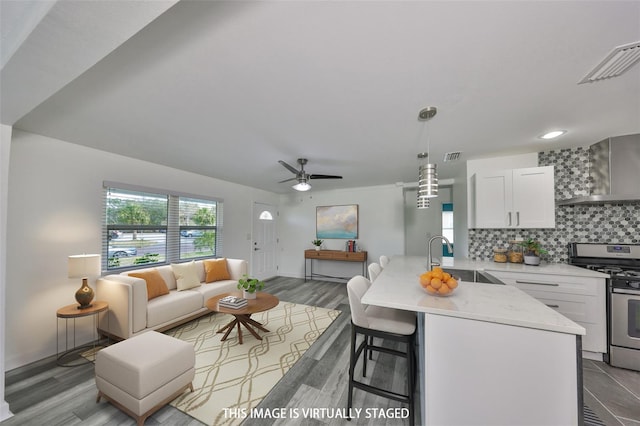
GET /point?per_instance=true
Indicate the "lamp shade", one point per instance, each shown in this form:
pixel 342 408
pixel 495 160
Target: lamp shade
pixel 428 181
pixel 84 266
pixel 423 202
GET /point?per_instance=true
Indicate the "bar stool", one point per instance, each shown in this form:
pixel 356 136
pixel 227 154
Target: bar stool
pixel 384 261
pixel 374 270
pixel 388 324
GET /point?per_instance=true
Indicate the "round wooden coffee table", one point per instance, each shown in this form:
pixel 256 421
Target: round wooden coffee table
pixel 242 316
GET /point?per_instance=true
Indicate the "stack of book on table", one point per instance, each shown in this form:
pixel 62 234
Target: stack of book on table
pixel 232 302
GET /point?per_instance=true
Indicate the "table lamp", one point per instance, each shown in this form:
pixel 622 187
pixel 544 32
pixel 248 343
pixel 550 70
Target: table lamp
pixel 84 266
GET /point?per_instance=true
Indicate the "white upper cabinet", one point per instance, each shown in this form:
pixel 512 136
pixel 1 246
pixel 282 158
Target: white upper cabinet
pixel 534 203
pixel 515 198
pixel 493 199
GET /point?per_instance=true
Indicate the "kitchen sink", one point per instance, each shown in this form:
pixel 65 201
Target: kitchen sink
pixel 463 274
pixel 473 276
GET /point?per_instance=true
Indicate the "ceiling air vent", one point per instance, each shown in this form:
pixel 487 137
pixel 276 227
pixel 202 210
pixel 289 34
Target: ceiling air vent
pixel 452 156
pixel 618 61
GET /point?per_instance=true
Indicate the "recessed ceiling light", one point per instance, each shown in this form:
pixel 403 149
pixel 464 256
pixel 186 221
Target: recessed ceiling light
pixel 553 135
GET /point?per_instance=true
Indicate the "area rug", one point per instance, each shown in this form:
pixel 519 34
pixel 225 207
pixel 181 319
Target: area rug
pixel 590 418
pixel 233 378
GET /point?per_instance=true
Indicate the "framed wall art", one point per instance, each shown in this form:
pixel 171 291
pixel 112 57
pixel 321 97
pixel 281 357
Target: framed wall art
pixel 337 222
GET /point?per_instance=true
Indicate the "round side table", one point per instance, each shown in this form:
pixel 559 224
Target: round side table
pixel 73 312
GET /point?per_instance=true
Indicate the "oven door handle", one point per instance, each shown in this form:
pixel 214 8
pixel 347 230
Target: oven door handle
pixel 623 291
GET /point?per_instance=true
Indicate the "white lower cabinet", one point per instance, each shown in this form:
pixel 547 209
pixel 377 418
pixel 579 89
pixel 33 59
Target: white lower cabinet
pixel 581 299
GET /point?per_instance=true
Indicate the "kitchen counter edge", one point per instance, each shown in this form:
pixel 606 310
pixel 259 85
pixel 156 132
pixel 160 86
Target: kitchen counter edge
pixel 544 268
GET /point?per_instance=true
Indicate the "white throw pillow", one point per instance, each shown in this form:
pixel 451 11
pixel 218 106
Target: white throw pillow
pixel 186 275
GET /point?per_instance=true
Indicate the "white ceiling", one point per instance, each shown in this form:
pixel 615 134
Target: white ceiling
pixel 226 89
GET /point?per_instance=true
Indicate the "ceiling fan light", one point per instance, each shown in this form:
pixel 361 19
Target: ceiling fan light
pixel 301 186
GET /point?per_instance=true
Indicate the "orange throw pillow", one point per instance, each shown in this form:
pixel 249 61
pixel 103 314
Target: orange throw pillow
pixel 155 283
pixel 216 270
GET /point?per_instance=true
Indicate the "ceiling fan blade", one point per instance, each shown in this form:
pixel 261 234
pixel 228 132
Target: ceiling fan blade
pixel 324 177
pixel 288 180
pixel 288 167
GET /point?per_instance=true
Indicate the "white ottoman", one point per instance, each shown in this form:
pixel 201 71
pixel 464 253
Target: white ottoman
pixel 142 374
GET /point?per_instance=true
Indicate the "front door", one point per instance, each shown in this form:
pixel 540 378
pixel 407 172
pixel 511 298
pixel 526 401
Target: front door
pixel 263 263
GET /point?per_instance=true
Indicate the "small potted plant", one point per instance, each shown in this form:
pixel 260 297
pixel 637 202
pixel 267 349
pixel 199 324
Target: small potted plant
pixel 532 251
pixel 249 286
pixel 317 243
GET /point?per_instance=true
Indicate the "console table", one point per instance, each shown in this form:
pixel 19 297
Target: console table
pixel 336 256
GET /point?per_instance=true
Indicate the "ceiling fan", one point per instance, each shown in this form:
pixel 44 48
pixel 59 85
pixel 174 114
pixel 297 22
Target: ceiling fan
pixel 302 177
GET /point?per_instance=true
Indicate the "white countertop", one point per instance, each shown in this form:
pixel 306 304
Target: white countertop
pixel 398 287
pixel 544 268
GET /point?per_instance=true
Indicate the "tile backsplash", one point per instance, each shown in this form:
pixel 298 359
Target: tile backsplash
pixel 602 223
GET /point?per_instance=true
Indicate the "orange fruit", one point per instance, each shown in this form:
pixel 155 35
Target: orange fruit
pixel 446 276
pixel 431 289
pixel 425 278
pixel 436 274
pixel 444 289
pixel 437 269
pixel 436 283
pixel 452 283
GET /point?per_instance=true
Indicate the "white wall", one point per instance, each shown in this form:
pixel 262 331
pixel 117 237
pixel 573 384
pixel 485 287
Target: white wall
pixel 422 224
pixel 5 149
pixel 55 209
pixel 460 220
pixel 381 227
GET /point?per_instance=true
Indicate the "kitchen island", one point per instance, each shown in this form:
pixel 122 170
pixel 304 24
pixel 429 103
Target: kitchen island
pixel 490 354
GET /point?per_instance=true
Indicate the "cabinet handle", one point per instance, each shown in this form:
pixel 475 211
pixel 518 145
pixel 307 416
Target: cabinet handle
pixel 553 306
pixel 517 218
pixel 509 215
pixel 533 282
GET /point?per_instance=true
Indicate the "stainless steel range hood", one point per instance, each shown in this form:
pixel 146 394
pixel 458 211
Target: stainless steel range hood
pixel 614 169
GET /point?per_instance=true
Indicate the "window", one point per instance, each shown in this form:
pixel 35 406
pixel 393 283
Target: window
pixel 147 226
pixel 447 227
pixel 197 228
pixel 266 215
pixel 136 228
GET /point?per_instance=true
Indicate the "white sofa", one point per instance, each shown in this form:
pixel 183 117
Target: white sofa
pixel 130 313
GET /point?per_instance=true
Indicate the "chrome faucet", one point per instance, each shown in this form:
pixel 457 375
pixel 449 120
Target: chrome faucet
pixel 431 263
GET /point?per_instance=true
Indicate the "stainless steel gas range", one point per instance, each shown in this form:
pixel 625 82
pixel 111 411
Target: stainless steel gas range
pixel 622 263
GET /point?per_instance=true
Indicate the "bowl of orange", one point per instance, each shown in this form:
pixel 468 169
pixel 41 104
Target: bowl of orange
pixel 438 283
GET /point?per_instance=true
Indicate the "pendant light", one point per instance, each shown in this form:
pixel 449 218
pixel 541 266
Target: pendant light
pixel 427 172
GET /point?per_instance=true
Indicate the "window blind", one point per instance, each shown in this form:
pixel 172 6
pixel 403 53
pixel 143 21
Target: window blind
pixel 144 226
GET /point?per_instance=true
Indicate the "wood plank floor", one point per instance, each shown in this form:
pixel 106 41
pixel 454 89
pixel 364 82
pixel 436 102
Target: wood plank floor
pixel 46 394
pixel 612 393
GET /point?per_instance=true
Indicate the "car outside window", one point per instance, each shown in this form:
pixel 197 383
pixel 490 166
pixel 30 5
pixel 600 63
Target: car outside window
pixel 144 227
pixel 198 228
pixel 136 228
